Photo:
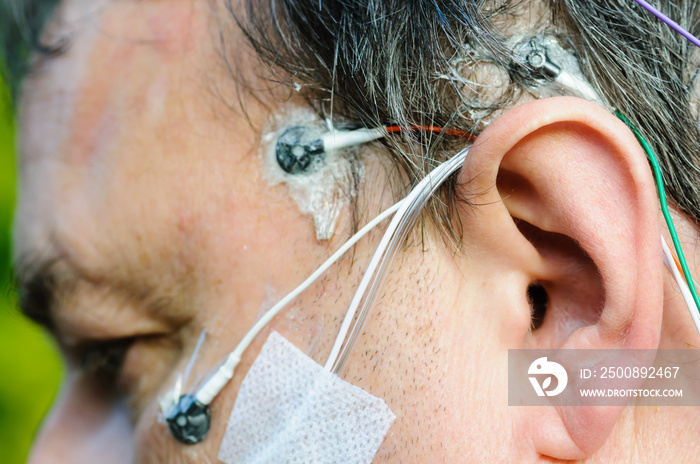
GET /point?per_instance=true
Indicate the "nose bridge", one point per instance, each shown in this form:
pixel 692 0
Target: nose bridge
pixel 84 427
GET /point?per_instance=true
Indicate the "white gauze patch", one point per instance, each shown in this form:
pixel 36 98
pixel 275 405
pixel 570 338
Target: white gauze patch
pixel 291 410
pixel 321 194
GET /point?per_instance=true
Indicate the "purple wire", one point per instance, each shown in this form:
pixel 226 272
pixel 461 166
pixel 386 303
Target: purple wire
pixel 670 22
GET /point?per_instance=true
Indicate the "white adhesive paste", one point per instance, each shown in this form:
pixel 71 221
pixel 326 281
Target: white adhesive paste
pixel 321 194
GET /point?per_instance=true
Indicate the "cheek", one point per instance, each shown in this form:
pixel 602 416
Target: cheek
pixel 84 427
pixel 438 364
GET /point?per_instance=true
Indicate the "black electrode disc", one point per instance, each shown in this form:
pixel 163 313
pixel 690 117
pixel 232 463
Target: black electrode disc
pixel 299 150
pixel 190 421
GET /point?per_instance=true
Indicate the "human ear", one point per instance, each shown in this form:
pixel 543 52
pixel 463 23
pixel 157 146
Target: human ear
pixel 574 214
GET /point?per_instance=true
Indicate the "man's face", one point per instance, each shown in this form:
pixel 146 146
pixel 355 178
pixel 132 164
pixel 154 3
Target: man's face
pixel 145 210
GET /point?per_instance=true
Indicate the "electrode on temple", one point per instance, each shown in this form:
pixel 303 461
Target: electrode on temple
pixel 300 149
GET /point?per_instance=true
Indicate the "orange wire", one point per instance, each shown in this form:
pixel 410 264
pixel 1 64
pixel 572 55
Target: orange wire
pixel 440 130
pixel 678 264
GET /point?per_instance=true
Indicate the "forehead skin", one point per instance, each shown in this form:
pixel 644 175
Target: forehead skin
pixel 118 135
pixel 146 192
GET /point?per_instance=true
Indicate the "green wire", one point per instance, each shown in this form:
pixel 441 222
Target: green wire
pixel 664 205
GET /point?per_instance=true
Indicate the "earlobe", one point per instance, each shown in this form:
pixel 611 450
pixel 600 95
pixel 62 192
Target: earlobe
pixel 575 185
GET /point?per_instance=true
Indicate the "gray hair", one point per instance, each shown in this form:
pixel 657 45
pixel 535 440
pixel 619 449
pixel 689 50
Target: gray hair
pixel 450 63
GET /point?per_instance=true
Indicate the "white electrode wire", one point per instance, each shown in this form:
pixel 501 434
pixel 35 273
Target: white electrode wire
pixel 399 237
pixel 373 287
pixel 405 225
pixel 403 229
pixel 337 140
pixel 216 382
pixel 381 248
pixel 412 206
pixel 680 280
pixel 577 84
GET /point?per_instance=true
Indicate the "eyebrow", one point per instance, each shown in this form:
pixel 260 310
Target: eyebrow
pixel 43 283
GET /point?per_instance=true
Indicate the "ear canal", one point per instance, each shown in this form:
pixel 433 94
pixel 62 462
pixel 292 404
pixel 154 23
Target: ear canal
pixel 539 299
pixel 569 295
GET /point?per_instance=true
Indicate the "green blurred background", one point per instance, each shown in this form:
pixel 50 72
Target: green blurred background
pixel 30 368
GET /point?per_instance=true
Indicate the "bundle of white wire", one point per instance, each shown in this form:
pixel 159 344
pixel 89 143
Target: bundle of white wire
pixel 393 238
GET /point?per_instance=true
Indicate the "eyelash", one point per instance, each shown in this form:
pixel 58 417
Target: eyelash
pixel 104 358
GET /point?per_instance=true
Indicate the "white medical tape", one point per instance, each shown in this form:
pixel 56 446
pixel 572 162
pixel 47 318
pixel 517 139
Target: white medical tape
pixel 291 410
